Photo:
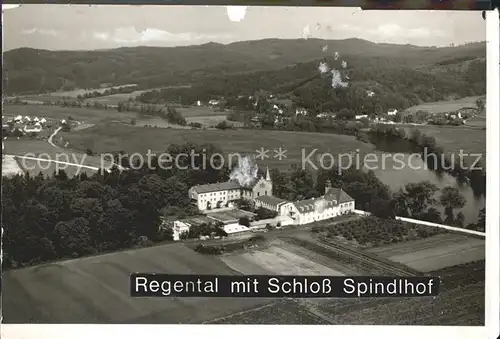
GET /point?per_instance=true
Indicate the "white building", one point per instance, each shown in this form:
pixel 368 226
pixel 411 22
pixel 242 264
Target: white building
pixel 335 202
pixel 361 116
pixel 237 231
pixel 213 102
pixel 300 111
pixel 36 128
pixel 43 120
pixel 224 194
pixel 392 112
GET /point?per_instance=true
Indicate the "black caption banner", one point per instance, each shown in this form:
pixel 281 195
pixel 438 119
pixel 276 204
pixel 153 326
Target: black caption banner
pixel 267 286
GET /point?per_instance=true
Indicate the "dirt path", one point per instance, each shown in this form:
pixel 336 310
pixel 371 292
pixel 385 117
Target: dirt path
pixel 52 137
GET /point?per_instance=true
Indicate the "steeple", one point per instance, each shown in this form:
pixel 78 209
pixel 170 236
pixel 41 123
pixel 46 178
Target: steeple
pixel 268 176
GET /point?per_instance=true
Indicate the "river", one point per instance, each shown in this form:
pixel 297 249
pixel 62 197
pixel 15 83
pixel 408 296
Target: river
pixel 392 173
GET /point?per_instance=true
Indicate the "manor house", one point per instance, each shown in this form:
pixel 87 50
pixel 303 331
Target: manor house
pixel 334 202
pixel 223 194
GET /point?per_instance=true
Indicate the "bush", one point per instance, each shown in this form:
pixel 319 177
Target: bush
pixel 88 151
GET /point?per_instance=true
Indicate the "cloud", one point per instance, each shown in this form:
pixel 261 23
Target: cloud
pixel 130 35
pixel 50 32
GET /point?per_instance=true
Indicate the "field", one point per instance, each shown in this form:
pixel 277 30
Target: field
pixel 444 106
pixel 478 121
pixel 437 252
pixel 96 289
pixel 10 166
pixel 67 94
pixel 42 149
pixel 454 139
pixel 88 115
pixel 115 137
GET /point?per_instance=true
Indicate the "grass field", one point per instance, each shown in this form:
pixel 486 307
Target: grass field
pixel 459 303
pixel 42 149
pixel 96 290
pixel 454 139
pixel 437 252
pixel 116 137
pixel 68 94
pixel 445 106
pixel 10 166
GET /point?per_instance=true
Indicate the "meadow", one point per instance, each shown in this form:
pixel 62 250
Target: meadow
pixel 110 137
pixel 454 139
pixel 90 115
pixel 444 106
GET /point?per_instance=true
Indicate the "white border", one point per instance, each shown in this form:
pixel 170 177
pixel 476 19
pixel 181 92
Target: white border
pixel 493 171
pixel 491 331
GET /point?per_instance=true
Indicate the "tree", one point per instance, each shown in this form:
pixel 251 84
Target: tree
pixel 459 220
pixel 244 221
pixel 73 238
pixel 451 199
pixel 420 196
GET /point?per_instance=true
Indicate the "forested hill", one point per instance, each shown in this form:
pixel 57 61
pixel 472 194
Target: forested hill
pixel 36 71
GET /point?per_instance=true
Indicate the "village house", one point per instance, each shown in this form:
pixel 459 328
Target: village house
pixel 361 116
pixel 392 112
pixel 326 115
pixel 300 111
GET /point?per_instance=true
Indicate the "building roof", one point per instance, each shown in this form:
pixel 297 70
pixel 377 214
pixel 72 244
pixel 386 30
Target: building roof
pixel 270 200
pixel 220 186
pixel 333 197
pixel 338 194
pixel 235 228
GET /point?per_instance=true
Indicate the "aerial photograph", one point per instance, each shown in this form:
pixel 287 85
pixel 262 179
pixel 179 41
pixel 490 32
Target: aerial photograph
pixel 220 140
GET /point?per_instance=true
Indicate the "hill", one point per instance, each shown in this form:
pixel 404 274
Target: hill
pixel 39 71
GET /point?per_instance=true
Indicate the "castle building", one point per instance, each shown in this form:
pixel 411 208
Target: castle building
pixel 333 203
pixel 219 195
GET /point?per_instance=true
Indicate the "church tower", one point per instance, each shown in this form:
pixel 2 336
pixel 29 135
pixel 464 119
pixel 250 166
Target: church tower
pixel 269 182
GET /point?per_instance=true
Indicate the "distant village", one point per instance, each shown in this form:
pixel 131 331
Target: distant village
pixel 20 126
pixel 283 109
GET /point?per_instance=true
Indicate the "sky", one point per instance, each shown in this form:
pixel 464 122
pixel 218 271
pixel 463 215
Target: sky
pixel 79 27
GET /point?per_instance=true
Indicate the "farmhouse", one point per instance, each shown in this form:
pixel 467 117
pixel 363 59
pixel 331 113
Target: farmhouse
pixel 392 112
pixel 224 194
